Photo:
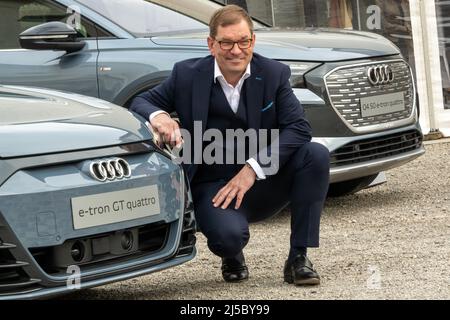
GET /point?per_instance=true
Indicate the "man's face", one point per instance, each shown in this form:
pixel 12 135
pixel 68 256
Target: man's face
pixel 234 61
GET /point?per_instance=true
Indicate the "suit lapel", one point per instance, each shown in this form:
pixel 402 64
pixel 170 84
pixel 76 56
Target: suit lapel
pixel 201 91
pixel 254 90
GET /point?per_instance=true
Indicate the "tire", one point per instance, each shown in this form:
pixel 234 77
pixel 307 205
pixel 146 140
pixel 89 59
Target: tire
pixel 343 188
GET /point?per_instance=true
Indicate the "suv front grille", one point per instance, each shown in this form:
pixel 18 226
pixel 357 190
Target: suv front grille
pixel 347 85
pixel 376 148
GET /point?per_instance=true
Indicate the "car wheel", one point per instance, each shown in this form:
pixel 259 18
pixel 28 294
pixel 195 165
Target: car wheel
pixel 343 188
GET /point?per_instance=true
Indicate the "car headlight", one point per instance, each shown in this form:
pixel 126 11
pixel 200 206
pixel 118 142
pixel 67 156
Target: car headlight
pixel 298 70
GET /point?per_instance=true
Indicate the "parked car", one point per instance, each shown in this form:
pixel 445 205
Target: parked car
pixel 86 198
pixel 357 90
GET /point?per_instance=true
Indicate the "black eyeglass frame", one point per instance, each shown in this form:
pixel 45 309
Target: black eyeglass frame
pixel 221 42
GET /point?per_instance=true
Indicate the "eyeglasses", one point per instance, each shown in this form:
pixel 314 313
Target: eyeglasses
pixel 229 45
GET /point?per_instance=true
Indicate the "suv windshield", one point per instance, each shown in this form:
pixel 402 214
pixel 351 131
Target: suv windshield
pixel 144 18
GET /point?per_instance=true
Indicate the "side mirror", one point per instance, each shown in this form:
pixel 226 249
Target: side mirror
pixel 51 36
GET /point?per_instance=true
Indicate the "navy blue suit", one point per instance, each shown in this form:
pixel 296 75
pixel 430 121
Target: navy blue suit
pixel 269 103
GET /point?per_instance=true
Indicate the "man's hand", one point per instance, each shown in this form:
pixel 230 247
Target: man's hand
pixel 167 128
pixel 235 188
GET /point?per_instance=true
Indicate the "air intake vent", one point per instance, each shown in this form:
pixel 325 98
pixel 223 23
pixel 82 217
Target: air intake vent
pixel 13 279
pixel 376 148
pixel 188 238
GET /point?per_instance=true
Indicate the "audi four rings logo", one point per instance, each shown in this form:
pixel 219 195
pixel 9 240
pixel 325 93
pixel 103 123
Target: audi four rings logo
pixel 380 74
pixel 109 169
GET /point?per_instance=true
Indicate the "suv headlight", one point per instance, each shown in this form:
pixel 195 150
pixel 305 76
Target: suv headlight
pixel 298 70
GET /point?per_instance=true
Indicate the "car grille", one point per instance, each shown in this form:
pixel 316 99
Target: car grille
pixel 376 148
pixel 13 278
pixel 152 238
pixel 347 85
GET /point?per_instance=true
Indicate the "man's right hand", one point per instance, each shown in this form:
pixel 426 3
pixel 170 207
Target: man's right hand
pixel 167 128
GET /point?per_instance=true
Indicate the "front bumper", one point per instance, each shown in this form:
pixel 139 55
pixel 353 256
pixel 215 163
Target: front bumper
pixel 350 172
pixel 365 155
pixel 70 285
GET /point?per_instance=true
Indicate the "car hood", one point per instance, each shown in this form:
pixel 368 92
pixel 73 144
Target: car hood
pixel 38 121
pixel 321 45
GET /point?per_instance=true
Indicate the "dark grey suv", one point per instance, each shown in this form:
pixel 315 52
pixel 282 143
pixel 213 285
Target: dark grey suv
pixel 357 90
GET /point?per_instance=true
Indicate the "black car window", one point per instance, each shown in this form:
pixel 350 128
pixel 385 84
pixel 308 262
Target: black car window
pixel 18 15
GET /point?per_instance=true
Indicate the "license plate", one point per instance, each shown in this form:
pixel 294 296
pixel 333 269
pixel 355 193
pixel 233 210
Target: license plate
pixel 383 104
pixel 111 207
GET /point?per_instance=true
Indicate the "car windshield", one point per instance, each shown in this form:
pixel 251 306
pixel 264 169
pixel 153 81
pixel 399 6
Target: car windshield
pixel 144 18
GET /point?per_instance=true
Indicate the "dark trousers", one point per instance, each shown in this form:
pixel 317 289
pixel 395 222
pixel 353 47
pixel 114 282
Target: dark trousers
pixel 302 182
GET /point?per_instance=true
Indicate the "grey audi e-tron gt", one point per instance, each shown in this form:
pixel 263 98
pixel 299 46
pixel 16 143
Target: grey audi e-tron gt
pixel 86 198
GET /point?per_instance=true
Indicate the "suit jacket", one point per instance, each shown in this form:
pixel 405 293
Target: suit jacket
pixel 271 103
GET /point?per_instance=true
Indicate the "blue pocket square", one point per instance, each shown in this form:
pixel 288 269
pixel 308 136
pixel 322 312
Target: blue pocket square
pixel 268 107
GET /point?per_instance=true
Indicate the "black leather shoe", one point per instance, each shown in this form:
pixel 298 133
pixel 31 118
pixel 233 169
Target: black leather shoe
pixel 233 270
pixel 301 272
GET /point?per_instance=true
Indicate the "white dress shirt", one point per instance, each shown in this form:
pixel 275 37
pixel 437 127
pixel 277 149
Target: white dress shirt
pixel 233 94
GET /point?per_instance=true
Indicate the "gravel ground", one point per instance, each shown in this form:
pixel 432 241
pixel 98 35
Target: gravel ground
pixel 388 242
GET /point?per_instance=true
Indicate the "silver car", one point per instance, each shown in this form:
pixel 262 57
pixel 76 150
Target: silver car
pixel 357 90
pixel 86 198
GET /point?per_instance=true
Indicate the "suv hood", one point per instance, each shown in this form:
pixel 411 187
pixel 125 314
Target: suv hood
pixel 318 45
pixel 39 121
